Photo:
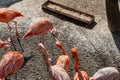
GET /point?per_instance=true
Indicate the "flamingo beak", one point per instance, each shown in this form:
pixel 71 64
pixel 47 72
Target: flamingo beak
pixel 21 15
pixel 54 32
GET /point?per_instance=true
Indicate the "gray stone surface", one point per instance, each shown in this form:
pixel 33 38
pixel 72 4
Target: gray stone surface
pixel 97 47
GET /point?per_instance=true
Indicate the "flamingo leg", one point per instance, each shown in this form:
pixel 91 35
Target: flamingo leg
pixel 42 39
pixel 16 76
pixel 17 34
pixel 10 36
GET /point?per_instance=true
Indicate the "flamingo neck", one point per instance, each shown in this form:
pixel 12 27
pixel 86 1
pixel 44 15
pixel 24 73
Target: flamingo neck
pixel 47 60
pixel 45 52
pixel 76 63
pixel 61 47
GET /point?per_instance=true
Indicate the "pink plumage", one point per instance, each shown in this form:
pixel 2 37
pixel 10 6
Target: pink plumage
pixel 78 75
pixel 40 27
pixel 7 15
pixel 11 62
pixel 63 60
pixel 56 72
pixel 107 73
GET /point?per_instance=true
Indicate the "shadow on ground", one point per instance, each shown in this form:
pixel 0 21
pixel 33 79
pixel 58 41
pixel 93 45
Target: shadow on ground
pixel 116 37
pixel 26 59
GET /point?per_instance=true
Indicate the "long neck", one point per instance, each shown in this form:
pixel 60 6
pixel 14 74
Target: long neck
pixel 62 50
pixel 59 44
pixel 45 52
pixel 76 63
pixel 47 60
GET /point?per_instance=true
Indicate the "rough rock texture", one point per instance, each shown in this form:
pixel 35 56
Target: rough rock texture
pixel 97 47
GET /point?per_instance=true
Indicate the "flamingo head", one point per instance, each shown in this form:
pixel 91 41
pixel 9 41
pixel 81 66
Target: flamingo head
pixel 73 50
pixel 58 43
pixel 54 32
pixel 18 14
pixel 27 34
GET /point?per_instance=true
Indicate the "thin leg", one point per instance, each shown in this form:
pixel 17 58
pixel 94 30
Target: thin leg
pixel 17 34
pixel 11 36
pixel 42 39
pixel 16 76
pixel 10 31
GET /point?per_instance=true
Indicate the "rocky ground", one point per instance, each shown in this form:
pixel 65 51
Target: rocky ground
pixel 97 47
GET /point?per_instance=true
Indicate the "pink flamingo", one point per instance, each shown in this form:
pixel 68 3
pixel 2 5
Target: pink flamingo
pixel 79 75
pixel 7 15
pixel 10 63
pixel 63 60
pixel 107 73
pixel 56 72
pixel 41 26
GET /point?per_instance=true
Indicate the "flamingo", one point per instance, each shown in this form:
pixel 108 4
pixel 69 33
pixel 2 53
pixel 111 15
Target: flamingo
pixel 4 43
pixel 56 72
pixel 8 15
pixel 41 26
pixel 10 63
pixel 79 75
pixel 63 60
pixel 107 73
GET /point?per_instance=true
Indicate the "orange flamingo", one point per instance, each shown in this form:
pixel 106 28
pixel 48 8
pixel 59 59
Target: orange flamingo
pixel 56 72
pixel 7 15
pixel 4 44
pixel 40 27
pixel 79 75
pixel 63 60
pixel 11 62
pixel 107 73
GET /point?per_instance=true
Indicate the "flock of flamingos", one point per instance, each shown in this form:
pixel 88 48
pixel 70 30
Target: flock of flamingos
pixel 12 61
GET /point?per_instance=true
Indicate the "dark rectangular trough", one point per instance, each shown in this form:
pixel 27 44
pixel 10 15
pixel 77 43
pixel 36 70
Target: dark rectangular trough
pixel 69 12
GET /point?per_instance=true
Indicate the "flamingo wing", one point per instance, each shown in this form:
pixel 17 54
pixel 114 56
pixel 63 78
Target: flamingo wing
pixel 4 65
pixel 40 26
pixel 10 64
pixel 63 61
pixel 107 73
pixel 58 73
